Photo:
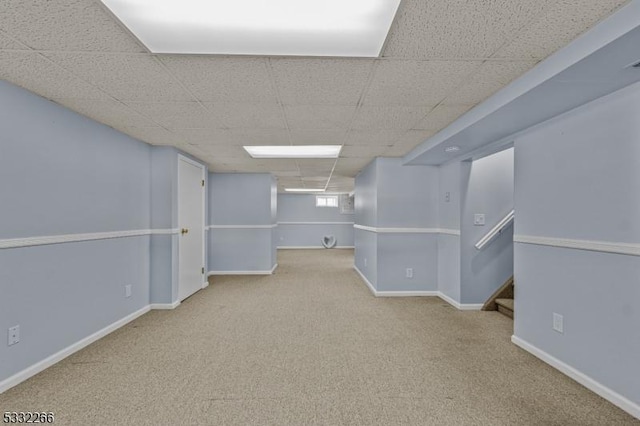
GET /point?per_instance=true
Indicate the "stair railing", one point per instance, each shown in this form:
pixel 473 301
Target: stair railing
pixel 496 230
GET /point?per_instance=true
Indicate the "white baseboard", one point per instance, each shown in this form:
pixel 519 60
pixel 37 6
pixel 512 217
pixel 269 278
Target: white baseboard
pixel 205 284
pixel 387 293
pixel 69 350
pixel 366 281
pixel 210 273
pixel 164 306
pixel 460 306
pixel 312 247
pixel 426 293
pixel 586 381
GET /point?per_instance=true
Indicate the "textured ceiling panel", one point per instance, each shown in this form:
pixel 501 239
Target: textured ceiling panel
pixel 177 114
pixel 321 81
pixel 351 166
pixel 441 116
pixel 109 112
pixel 416 82
pixel 7 43
pixel 363 151
pixel 317 137
pixel 33 72
pixel 457 28
pixel 71 25
pixel 373 137
pixel 260 136
pixel 224 151
pixel 388 117
pixel 205 136
pixel 319 116
pixel 407 142
pixel 153 135
pixel 224 79
pixel 125 77
pixel 489 78
pixel 562 21
pixel 247 115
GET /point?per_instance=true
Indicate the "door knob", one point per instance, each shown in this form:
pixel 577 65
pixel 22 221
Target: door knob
pixel 184 231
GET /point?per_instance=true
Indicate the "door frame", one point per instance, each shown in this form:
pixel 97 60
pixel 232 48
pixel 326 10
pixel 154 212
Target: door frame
pixel 204 213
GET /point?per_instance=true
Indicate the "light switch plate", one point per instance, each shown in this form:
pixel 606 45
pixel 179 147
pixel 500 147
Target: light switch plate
pixel 478 219
pixel 558 323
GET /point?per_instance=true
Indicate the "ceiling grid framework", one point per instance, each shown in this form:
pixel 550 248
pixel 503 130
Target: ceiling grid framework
pixel 441 58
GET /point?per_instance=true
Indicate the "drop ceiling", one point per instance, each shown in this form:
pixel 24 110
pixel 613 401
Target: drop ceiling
pixel 441 58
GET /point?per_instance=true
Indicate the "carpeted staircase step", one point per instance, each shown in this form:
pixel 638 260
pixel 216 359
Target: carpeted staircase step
pixel 505 306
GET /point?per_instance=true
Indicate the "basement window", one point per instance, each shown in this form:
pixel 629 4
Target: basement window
pixel 326 201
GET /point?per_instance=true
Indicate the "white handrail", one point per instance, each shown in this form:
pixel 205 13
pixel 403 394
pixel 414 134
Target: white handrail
pixel 496 230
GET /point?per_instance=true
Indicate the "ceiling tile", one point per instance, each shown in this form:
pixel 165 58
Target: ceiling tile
pixel 562 22
pixel 350 167
pixel 363 151
pixel 316 163
pixel 71 25
pixel 388 117
pixel 247 115
pixel 152 135
pixel 177 114
pixel 407 142
pixel 373 137
pixel 319 116
pixel 39 75
pixel 321 81
pixel 441 116
pixel 457 28
pixel 488 79
pixel 125 77
pixel 205 136
pixel 397 82
pixel 7 42
pixel 223 151
pixel 260 136
pixel 317 137
pixel 109 112
pixel 224 79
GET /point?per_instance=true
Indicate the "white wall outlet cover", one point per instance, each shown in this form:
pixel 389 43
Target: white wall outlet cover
pixel 13 336
pixel 558 323
pixel 478 219
pixel 447 196
pixel 409 272
pixel 127 290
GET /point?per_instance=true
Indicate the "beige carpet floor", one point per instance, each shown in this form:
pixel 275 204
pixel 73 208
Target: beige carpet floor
pixel 310 345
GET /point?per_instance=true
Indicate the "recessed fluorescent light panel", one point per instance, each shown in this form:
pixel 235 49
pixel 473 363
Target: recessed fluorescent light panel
pixel 356 28
pixel 304 190
pixel 290 151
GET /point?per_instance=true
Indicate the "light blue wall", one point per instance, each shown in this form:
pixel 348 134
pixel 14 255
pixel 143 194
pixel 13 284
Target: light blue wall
pixel 407 196
pixel 61 173
pixel 302 224
pixel 365 203
pixel 449 208
pixel 487 189
pixel 577 177
pixel 390 195
pixel 245 200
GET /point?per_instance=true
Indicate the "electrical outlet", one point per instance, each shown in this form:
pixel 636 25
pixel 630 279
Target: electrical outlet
pixel 13 336
pixel 558 323
pixel 409 273
pixel 447 197
pixel 365 261
pixel 478 219
pixel 127 290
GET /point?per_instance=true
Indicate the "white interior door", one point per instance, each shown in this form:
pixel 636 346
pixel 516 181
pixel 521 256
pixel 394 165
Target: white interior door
pixel 191 222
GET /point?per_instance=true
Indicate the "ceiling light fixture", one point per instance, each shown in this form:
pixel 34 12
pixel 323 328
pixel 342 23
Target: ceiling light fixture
pixel 304 190
pixel 452 149
pixel 291 151
pixel 356 28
